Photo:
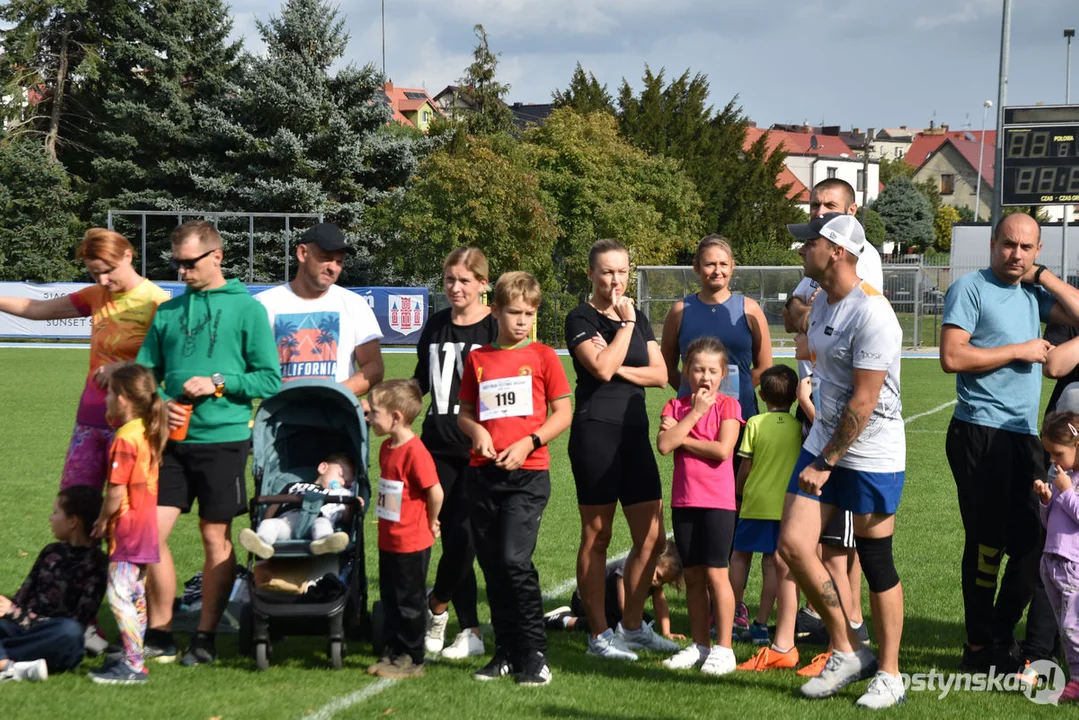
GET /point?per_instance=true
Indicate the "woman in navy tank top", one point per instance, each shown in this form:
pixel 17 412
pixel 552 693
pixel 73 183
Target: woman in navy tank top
pixel 736 320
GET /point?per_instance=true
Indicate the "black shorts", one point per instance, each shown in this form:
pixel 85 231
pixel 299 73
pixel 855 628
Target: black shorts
pixel 613 463
pixel 703 536
pixel 839 532
pixel 213 473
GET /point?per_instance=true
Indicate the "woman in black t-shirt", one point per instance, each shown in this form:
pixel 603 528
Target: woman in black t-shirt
pixel 444 343
pixel 615 356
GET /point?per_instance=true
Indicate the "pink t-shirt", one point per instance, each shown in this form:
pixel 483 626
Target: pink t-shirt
pixel 698 482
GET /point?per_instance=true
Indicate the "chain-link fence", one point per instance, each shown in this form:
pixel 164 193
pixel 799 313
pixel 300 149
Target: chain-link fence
pixel 915 291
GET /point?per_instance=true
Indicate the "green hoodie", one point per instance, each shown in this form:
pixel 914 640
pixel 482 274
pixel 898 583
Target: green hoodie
pixel 223 330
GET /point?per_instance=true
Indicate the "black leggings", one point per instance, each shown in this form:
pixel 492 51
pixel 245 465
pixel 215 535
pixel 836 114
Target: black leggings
pixel 455 578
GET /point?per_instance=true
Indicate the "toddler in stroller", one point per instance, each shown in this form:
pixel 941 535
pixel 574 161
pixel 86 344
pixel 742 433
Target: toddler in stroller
pixel 336 474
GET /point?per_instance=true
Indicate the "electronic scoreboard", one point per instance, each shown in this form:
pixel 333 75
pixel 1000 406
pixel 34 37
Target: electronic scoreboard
pixel 1041 155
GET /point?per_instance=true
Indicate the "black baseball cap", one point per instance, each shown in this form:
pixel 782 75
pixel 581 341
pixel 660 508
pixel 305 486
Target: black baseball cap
pixel 327 236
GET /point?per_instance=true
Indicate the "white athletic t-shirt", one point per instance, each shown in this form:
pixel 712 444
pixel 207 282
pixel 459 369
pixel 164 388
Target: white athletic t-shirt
pixel 858 332
pixel 317 338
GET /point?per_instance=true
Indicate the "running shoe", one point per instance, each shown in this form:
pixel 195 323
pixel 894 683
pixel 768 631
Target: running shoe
pixel 119 674
pixel 768 658
pixel 198 655
pixel 499 666
pixel 815 665
pixel 435 639
pixel 741 618
pixel 165 652
pixel 466 644
pixel 862 631
pixel 537 672
pixel 688 657
pixel 884 691
pixel 840 670
pixel 720 661
pixel 557 618
pixel 1070 693
pixel 611 646
pixel 28 670
pixel 333 543
pixel 383 662
pixel 757 634
pixel 645 639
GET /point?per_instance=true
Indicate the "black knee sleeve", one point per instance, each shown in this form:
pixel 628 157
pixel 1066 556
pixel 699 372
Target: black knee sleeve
pixel 878 565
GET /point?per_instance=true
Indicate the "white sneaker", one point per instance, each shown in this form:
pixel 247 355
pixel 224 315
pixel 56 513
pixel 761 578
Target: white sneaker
pixel 252 543
pixel 436 631
pixel 333 543
pixel 720 661
pixel 645 639
pixel 841 670
pixel 884 691
pixel 465 645
pixel 688 657
pixel 30 670
pixel 610 645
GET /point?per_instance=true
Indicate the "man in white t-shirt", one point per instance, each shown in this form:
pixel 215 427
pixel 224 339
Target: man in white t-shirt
pixel 323 330
pixel 854 458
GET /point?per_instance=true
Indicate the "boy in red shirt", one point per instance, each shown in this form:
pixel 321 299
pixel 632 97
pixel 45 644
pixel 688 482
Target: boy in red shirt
pixel 409 499
pixel 505 392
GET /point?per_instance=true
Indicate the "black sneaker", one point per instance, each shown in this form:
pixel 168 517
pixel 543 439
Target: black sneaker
pixel 499 666
pixel 198 655
pixel 976 660
pixel 863 633
pixel 536 670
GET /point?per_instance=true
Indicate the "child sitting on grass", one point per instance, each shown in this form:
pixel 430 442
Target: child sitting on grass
pixel 409 500
pixel 336 475
pixel 769 449
pixel 668 572
pixel 42 625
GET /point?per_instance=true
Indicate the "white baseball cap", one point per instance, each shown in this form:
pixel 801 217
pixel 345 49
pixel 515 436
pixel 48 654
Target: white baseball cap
pixel 842 229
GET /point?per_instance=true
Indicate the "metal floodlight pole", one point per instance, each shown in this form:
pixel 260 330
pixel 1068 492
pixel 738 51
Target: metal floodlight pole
pixel 865 174
pixel 383 37
pixel 1002 99
pixel 981 153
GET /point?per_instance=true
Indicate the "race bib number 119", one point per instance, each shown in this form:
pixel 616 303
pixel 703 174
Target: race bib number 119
pixel 506 397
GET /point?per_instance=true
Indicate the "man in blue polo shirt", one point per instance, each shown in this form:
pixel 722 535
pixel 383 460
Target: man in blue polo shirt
pixel 992 339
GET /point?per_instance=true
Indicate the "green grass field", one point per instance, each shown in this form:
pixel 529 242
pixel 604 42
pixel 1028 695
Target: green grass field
pixel 38 393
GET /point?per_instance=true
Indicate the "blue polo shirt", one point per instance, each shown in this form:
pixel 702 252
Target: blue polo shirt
pixel 996 313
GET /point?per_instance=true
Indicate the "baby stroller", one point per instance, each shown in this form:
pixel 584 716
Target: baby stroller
pixel 293 432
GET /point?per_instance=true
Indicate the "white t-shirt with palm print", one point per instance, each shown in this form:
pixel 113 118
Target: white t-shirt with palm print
pixel 318 338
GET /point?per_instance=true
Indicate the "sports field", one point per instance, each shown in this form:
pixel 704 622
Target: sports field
pixel 39 390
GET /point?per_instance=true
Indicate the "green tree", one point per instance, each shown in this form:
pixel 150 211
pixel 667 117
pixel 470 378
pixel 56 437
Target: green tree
pixel 737 186
pixel 47 49
pixel 891 169
pixel 907 214
pixel 874 227
pixel 945 217
pixel 966 214
pixel 38 226
pixel 584 94
pixel 931 191
pixel 484 92
pixel 291 136
pixel 598 185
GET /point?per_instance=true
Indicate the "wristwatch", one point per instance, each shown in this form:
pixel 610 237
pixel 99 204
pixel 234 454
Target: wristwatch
pixel 536 442
pixel 821 464
pixel 219 384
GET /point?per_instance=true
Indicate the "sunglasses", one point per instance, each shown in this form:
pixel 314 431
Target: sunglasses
pixel 177 263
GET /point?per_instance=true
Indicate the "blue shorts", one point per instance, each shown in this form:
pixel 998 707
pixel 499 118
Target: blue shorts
pixel 756 536
pixel 858 491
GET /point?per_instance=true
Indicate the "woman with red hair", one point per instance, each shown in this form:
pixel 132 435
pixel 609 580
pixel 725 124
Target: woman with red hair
pixel 121 304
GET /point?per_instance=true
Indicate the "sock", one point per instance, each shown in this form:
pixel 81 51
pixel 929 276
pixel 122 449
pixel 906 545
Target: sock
pixel 779 649
pixel 205 639
pixel 703 649
pixel 565 621
pixel 158 638
pixel 855 626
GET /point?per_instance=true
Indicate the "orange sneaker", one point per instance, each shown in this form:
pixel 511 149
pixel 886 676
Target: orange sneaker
pixel 769 659
pixel 815 665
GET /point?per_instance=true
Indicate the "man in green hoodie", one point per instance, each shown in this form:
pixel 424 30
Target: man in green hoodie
pixel 212 348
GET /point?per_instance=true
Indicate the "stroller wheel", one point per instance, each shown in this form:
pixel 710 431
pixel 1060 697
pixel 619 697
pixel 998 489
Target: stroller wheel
pixel 262 656
pixel 336 653
pixel 378 628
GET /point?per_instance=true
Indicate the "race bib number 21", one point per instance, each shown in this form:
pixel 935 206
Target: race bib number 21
pixel 390 494
pixel 506 397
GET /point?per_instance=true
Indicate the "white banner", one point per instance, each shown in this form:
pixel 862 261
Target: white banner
pixel 11 326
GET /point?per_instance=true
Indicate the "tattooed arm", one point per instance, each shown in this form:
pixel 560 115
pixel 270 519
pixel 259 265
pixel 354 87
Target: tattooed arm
pixel 852 421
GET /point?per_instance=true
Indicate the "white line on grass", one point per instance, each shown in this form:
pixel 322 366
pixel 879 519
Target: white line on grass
pixel 336 705
pixel 935 410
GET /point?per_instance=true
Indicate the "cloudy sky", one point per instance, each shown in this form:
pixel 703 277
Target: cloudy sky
pixel 880 63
